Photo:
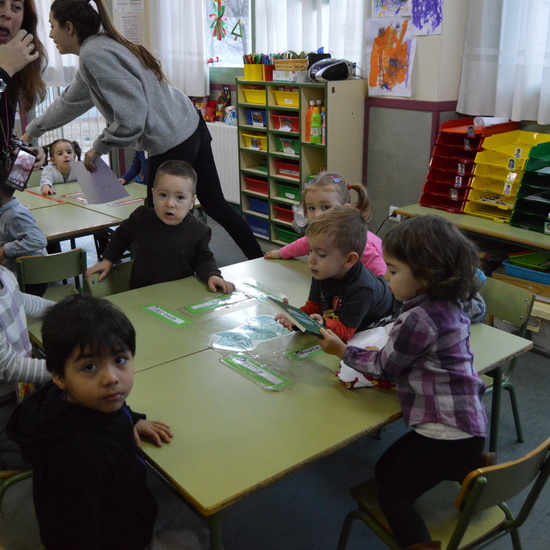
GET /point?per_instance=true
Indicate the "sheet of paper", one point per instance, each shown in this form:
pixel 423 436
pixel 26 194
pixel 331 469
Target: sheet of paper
pixel 100 186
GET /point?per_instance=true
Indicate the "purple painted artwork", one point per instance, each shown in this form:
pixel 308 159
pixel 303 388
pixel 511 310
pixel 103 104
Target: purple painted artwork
pixel 427 16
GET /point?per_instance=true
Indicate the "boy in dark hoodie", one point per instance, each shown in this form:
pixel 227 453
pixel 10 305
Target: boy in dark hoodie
pixel 82 439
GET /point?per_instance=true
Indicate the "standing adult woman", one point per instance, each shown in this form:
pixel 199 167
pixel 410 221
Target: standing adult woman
pixel 22 61
pixel 127 85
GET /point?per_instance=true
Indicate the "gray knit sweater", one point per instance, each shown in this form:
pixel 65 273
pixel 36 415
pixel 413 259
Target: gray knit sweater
pixel 141 112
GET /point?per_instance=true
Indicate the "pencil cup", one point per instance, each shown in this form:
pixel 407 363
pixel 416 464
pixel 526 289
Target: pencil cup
pixel 253 72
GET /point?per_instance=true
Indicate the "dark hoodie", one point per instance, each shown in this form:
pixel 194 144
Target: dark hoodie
pixel 89 484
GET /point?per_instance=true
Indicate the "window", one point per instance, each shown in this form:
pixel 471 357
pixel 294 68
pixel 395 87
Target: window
pixel 232 47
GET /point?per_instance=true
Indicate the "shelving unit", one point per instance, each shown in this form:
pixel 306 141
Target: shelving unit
pixel 275 156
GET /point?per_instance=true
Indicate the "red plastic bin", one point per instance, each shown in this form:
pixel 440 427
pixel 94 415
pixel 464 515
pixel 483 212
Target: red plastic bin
pixel 288 169
pixel 258 186
pixel 444 190
pixel 285 123
pixel 450 178
pixel 442 203
pixel 453 165
pixel 284 214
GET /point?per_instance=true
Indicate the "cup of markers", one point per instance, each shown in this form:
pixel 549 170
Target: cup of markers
pixel 258 67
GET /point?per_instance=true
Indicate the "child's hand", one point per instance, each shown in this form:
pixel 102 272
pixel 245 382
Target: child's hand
pixel 215 282
pixel 102 268
pixel 318 318
pixel 280 318
pixel 273 255
pixel 90 158
pixel 331 344
pixel 152 429
pixel 47 190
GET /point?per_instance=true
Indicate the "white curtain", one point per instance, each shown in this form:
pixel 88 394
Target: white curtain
pixel 178 39
pixel 506 61
pixel 61 68
pixel 307 25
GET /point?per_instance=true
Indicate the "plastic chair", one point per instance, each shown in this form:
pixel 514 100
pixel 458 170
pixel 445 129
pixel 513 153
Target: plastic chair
pixel 9 477
pixel 52 268
pixel 117 281
pixel 512 304
pixel 469 516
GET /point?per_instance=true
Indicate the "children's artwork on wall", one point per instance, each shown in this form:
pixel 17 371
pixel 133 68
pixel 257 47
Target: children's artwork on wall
pixel 391 8
pixel 427 16
pixel 390 50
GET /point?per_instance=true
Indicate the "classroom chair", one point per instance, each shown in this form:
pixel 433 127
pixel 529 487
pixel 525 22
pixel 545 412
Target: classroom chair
pixel 53 268
pixel 471 515
pixel 512 304
pixel 117 281
pixel 9 477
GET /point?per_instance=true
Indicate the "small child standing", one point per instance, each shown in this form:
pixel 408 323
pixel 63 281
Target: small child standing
pixel 19 234
pixel 344 295
pixel 171 242
pixel 89 481
pixel 16 363
pixel 432 270
pixel 323 192
pixel 61 153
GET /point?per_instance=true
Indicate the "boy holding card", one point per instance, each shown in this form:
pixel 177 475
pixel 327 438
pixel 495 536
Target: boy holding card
pixel 344 295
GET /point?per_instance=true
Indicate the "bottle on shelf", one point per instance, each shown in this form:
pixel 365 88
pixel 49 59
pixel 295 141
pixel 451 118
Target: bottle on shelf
pixel 308 119
pixel 323 125
pixel 315 126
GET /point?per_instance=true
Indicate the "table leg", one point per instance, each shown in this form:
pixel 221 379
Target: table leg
pixel 496 375
pixel 215 523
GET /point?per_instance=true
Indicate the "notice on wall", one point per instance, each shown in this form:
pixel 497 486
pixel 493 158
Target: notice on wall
pixel 130 27
pixel 129 6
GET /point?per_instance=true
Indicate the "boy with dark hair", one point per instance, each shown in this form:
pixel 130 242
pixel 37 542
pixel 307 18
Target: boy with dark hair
pixel 82 439
pixel 344 295
pixel 171 242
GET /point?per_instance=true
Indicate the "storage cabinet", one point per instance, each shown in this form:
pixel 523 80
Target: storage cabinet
pixel 275 155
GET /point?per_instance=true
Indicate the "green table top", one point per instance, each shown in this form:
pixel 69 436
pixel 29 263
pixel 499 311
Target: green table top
pixel 33 199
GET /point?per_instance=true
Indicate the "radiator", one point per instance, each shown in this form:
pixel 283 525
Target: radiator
pixel 226 154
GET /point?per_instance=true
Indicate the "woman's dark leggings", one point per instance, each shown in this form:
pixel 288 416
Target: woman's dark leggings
pixel 413 465
pixel 197 151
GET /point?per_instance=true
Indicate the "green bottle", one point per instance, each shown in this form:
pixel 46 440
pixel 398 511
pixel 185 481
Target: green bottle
pixel 315 127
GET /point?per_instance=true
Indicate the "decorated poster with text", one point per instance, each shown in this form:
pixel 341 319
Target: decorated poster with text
pixel 390 51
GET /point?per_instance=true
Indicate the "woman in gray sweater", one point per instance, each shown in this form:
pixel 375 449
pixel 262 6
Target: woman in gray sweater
pixel 127 85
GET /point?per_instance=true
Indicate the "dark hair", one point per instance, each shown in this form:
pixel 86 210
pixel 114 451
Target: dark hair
pixel 342 187
pixel 87 22
pixel 48 149
pixel 28 87
pixel 437 252
pixel 84 322
pixel 344 225
pixel 179 168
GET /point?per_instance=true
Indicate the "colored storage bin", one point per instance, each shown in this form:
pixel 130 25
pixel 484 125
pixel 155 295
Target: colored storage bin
pixel 529 221
pixel 285 123
pixel 465 127
pixel 497 187
pixel 487 197
pixel 458 153
pixel 526 274
pixel 288 192
pixel 258 205
pixel 498 173
pixel 488 211
pixel 536 180
pixel 255 141
pixel 288 169
pixel 284 214
pixel 258 186
pixel 286 235
pixel 450 178
pixel 258 226
pixel 452 165
pixel 288 146
pixel 539 261
pixel 442 203
pixel 256 117
pixel 460 140
pixel 287 99
pixel 445 190
pixel 254 96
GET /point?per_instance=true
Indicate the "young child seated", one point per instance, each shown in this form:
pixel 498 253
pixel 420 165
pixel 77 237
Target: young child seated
pixel 89 480
pixel 16 363
pixel 61 153
pixel 19 234
pixel 171 242
pixel 344 295
pixel 432 270
pixel 323 192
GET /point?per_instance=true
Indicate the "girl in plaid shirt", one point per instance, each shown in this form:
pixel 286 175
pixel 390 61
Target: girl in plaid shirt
pixel 431 269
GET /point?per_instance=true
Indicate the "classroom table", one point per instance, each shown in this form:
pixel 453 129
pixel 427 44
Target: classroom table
pixel 33 199
pixel 232 437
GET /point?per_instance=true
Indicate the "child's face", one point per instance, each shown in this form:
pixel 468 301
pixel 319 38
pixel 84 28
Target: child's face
pixel 173 198
pixel 403 284
pixel 62 154
pixel 325 260
pixel 100 382
pixel 319 200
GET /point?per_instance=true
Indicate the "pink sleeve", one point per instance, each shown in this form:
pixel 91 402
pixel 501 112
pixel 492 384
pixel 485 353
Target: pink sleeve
pixel 299 247
pixel 372 255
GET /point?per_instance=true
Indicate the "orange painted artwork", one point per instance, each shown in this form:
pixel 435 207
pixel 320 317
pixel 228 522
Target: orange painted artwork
pixel 391 56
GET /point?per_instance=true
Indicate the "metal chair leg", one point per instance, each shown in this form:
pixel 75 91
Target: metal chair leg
pixel 515 409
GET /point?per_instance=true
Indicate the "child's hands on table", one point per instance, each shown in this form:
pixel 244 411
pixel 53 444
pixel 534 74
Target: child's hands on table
pixel 158 432
pixel 331 344
pixel 273 255
pixel 215 282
